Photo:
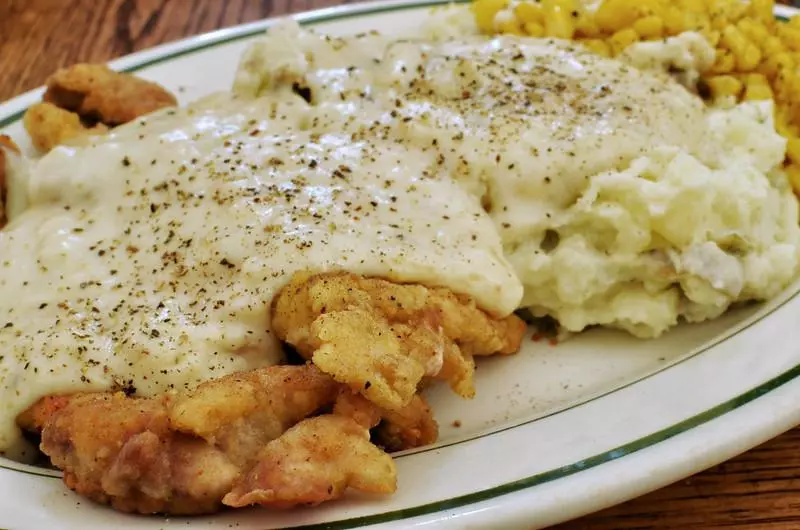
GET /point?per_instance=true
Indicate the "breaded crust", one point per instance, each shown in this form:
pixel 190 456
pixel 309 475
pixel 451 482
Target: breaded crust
pixel 381 338
pixel 5 143
pixel 181 454
pixel 96 92
pixel 89 99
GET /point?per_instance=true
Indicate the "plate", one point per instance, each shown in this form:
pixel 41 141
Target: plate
pixel 555 431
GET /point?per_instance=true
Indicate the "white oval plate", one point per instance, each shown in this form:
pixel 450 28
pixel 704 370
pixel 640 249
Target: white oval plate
pixel 554 432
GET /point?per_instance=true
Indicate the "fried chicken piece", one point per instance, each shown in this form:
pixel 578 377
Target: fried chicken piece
pixel 313 462
pixel 88 99
pixel 381 338
pixel 120 451
pixel 5 143
pixel 407 428
pixel 97 93
pixel 241 412
pixel 35 417
pixel 49 126
pixel 177 455
pixel 355 406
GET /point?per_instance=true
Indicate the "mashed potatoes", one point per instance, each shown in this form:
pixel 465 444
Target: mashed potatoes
pixel 620 199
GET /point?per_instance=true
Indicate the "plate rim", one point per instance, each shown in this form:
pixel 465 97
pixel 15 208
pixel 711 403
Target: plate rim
pixel 11 112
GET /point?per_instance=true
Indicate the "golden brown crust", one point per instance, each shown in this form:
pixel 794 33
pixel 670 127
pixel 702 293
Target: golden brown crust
pixel 315 461
pixel 258 437
pixel 5 143
pixel 178 454
pixel 98 93
pixel 381 338
pixel 88 99
pixel 407 428
pixel 49 126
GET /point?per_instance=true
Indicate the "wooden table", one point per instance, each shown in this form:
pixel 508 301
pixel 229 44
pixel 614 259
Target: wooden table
pixel 758 490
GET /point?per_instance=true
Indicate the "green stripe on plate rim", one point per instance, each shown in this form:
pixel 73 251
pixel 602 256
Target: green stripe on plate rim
pixel 527 482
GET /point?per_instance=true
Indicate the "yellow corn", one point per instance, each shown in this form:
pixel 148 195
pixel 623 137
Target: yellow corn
pixel 762 10
pixel 673 20
pixel 721 86
pixel 586 27
pixel 534 29
pixel 558 19
pixel 508 25
pixel 724 63
pixel 485 11
pixel 756 87
pixel 529 12
pixel 615 15
pixel 790 36
pixel 622 39
pixel 755 31
pixel 771 46
pixel 650 27
pixel 793 149
pixel 598 46
pixel 776 64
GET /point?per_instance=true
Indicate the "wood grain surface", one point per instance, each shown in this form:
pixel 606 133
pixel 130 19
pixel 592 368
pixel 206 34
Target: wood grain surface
pixel 758 490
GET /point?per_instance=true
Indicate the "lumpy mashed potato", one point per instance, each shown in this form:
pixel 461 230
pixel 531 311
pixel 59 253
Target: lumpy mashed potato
pixel 670 236
pixel 621 200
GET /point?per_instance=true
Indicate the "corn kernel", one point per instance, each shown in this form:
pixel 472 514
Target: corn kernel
pixel 721 86
pixel 485 11
pixel 508 25
pixel 615 15
pixel 622 39
pixel 558 24
pixel 586 27
pixel 789 36
pixel 773 65
pixel 724 63
pixel 673 20
pixel 771 46
pixel 733 39
pixel 597 46
pixel 755 31
pixel 529 12
pixel 762 10
pixel 534 29
pixel 756 87
pixel 712 36
pixel 793 150
pixel 650 27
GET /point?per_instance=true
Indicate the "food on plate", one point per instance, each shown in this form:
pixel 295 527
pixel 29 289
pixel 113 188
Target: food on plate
pixel 239 439
pixel 6 144
pixel 88 99
pixel 49 126
pixel 148 266
pixel 380 206
pixel 756 54
pixel 336 321
pixel 587 165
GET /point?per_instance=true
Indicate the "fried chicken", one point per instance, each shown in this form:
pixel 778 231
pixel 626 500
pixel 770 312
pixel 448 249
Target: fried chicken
pixel 382 338
pixel 393 430
pixel 183 454
pixel 98 93
pixel 5 143
pixel 88 99
pixel 315 461
pixel 284 435
pixel 49 126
